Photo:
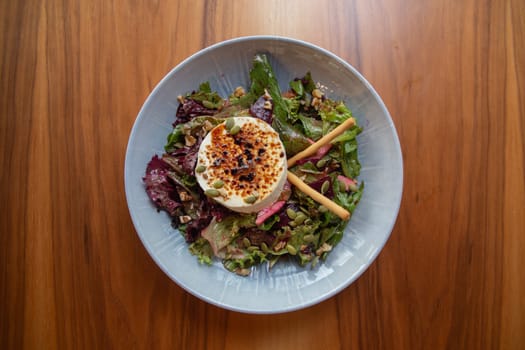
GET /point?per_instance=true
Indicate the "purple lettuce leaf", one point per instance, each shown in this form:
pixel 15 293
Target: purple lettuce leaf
pixel 185 158
pixel 204 211
pixel 316 185
pixel 257 110
pixel 283 217
pixel 200 222
pixel 159 187
pixel 191 109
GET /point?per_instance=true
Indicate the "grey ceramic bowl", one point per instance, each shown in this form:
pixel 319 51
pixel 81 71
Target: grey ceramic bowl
pixel 287 286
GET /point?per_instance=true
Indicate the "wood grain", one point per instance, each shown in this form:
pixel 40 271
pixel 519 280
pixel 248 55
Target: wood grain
pixel 74 74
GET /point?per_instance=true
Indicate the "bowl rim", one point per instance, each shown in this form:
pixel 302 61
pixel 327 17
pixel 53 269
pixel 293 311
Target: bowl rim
pixel 369 87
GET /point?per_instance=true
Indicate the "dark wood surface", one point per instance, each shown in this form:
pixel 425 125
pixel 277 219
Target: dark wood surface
pixel 74 74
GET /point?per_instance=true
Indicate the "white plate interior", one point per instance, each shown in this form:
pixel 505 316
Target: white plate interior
pixel 287 286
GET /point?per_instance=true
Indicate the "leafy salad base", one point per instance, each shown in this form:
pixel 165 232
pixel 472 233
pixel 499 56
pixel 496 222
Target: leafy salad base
pixel 301 229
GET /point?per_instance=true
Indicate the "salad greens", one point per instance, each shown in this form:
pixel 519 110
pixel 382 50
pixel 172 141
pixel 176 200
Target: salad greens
pixel 295 226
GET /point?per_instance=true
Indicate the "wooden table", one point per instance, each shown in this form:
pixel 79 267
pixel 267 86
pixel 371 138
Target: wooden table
pixel 74 274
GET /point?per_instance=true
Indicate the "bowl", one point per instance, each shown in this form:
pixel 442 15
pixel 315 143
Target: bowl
pixel 287 286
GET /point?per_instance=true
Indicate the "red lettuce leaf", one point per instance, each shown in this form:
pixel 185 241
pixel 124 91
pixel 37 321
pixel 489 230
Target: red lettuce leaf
pixel 191 109
pixel 159 187
pixel 257 110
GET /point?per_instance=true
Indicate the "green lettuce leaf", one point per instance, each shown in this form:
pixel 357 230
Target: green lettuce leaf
pixel 263 77
pixel 202 250
pixel 313 128
pixel 220 234
pixel 208 98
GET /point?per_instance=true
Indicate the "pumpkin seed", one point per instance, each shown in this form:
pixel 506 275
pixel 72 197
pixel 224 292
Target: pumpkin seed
pixel 323 209
pixel 292 224
pixel 309 238
pixel 208 104
pixel 264 247
pixel 292 214
pixel 229 124
pixel 291 249
pixel 325 186
pixel 250 199
pixel 211 192
pixel 252 248
pixel 235 130
pixel 246 242
pixel 200 168
pixel 321 163
pixel 300 218
pixel 218 184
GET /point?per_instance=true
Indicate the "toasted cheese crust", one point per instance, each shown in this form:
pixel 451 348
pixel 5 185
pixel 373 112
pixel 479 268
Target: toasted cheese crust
pixel 247 169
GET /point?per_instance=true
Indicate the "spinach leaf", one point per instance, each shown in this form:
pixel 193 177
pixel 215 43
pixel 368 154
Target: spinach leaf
pixel 297 87
pixel 263 77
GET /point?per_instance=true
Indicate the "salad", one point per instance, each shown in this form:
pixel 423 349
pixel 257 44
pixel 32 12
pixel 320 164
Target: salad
pixel 194 183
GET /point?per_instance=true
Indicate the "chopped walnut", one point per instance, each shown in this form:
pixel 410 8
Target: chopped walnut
pixel 316 102
pixel 190 140
pixel 317 93
pixel 186 129
pixel 239 91
pixel 279 246
pixel 267 95
pixel 184 219
pixel 202 132
pixel 325 247
pixel 207 125
pixel 184 196
pixel 267 105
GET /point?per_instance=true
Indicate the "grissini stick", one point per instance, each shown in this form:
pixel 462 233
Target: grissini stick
pixel 314 147
pixel 318 197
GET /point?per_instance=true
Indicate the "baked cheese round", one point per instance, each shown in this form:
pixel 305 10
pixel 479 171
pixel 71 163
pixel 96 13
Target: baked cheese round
pixel 242 164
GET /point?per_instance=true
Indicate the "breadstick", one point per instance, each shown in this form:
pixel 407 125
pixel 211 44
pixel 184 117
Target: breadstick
pixel 310 150
pixel 318 197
